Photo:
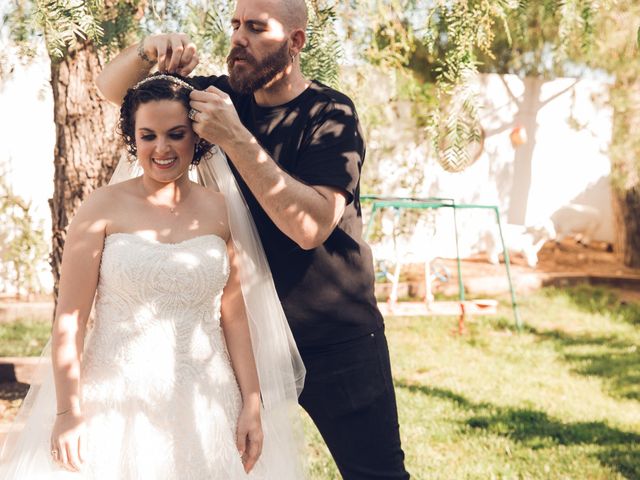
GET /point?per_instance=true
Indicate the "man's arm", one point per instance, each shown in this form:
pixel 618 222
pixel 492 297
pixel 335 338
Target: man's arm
pixel 173 52
pixel 305 213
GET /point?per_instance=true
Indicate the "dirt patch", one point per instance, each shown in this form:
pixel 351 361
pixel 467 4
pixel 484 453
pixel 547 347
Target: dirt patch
pixel 559 264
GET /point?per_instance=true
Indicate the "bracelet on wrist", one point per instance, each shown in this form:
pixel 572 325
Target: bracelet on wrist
pixel 63 412
pixel 143 55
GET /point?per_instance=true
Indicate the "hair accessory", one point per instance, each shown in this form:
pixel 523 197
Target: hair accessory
pixel 169 78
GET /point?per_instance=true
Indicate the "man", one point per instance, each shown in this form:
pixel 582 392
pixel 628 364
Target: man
pixel 296 148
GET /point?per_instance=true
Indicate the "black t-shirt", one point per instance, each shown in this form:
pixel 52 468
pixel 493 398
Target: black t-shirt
pixel 328 292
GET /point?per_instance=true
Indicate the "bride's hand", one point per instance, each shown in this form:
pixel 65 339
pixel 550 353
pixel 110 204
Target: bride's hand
pixel 68 441
pixel 249 434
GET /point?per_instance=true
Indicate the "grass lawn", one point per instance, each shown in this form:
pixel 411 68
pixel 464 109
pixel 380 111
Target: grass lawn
pixel 25 337
pixel 561 400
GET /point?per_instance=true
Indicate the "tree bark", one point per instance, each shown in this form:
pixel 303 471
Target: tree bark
pixel 87 147
pixel 626 208
pixel 625 168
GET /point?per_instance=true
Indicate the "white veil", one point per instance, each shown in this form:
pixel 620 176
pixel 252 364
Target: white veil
pixel 281 373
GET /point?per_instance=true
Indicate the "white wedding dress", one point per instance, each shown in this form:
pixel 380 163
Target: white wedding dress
pixel 158 392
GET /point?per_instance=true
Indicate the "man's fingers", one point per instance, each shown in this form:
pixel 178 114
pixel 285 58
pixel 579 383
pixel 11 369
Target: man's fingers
pixel 177 49
pixel 216 91
pixel 190 65
pixel 199 106
pixel 207 95
pixel 162 56
pixel 189 54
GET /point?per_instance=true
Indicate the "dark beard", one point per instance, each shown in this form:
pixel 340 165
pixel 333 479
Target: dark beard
pixel 262 72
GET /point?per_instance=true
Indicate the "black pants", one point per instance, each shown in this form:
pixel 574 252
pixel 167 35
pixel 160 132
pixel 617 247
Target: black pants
pixel 349 395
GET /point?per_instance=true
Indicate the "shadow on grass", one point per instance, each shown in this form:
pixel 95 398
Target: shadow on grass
pixel 535 429
pixel 599 300
pixel 608 357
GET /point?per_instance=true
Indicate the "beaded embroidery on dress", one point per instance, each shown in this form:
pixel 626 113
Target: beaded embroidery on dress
pixel 158 391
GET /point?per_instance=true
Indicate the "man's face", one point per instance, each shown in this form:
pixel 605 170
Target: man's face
pixel 259 46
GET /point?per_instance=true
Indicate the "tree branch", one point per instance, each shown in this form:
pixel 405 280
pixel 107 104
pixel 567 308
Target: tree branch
pixel 509 91
pixel 556 95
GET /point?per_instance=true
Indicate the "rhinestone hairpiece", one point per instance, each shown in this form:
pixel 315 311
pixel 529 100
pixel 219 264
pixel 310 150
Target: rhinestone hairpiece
pixel 168 78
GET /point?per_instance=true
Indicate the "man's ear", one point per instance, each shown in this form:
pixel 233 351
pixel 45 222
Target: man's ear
pixel 298 38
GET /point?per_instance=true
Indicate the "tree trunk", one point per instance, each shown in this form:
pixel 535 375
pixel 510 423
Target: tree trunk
pixel 527 117
pixel 626 208
pixel 87 146
pixel 625 168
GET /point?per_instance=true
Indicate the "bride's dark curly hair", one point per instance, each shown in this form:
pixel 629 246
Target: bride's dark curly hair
pixel 151 90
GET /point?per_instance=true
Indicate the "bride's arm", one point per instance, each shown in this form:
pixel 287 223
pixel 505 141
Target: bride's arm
pixel 78 281
pixel 236 333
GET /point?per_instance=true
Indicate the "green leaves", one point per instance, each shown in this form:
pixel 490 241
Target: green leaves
pixel 23 249
pixel 320 56
pixel 66 22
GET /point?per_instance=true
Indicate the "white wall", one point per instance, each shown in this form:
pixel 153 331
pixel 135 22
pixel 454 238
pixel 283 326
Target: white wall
pixel 568 136
pixel 28 138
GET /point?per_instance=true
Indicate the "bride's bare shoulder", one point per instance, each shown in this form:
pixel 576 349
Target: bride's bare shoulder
pixel 210 195
pixel 106 200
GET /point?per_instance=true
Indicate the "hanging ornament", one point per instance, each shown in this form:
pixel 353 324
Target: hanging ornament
pixel 518 136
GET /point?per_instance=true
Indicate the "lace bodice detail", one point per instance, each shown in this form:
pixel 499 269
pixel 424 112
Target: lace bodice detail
pixel 157 314
pixel 141 279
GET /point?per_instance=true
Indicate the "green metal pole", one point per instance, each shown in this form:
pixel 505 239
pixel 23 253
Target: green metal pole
pixel 374 209
pixel 459 263
pixel 505 252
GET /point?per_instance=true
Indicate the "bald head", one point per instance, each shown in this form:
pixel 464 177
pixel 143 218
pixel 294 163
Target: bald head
pixel 293 13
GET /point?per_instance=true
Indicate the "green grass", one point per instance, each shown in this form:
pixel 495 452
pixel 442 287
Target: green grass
pixel 561 400
pixel 25 337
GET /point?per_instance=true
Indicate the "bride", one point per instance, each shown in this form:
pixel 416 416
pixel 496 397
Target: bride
pixel 164 381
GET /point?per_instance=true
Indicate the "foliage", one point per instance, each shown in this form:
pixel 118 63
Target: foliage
pixel 617 55
pixel 65 22
pixel 447 42
pixel 319 59
pixel 209 28
pixel 117 23
pixel 23 249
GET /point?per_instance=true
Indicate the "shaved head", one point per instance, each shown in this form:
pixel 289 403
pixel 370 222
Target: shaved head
pixel 294 13
pixel 291 14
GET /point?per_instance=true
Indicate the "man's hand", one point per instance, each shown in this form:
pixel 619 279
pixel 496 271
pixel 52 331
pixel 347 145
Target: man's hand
pixel 215 118
pixel 174 52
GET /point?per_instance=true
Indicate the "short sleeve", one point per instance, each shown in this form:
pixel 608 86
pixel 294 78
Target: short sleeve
pixel 333 153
